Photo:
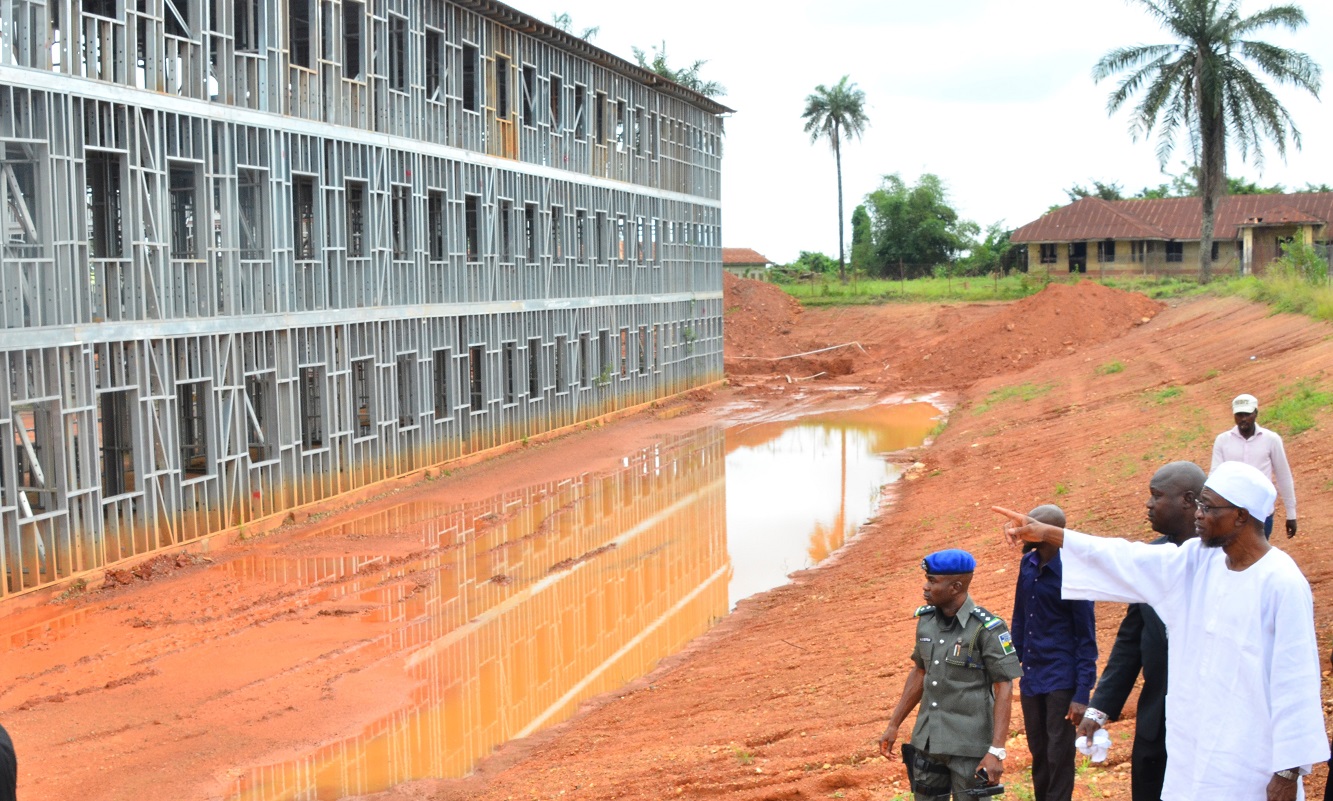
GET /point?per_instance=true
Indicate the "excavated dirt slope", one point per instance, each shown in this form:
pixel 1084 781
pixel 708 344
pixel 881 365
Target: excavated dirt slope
pixel 175 677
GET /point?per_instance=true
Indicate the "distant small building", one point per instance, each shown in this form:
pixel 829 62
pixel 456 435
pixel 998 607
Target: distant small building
pixel 1161 236
pixel 745 263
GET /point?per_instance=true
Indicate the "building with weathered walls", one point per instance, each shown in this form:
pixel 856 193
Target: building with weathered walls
pixel 260 253
pixel 745 263
pixel 1161 236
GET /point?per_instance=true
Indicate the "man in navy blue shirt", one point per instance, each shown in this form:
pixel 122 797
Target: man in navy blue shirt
pixel 1056 642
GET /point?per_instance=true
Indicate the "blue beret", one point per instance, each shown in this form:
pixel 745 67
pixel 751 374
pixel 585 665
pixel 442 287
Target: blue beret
pixel 949 562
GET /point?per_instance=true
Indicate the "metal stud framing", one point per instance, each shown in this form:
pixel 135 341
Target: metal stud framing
pixel 436 227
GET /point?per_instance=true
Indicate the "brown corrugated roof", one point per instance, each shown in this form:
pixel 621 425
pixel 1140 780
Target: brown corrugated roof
pixel 1180 218
pixel 743 256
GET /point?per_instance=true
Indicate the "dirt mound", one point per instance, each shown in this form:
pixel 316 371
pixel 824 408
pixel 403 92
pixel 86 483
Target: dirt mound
pixel 1060 319
pixel 758 318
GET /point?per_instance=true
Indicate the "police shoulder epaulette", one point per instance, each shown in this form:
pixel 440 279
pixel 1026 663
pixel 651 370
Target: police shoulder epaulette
pixel 924 610
pixel 987 619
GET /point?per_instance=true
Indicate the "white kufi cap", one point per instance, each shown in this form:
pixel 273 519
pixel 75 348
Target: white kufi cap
pixel 1244 486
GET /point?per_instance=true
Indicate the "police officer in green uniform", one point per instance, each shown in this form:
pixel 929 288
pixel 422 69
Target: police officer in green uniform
pixel 964 681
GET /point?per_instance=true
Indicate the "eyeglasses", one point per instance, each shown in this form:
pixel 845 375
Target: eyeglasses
pixel 1207 509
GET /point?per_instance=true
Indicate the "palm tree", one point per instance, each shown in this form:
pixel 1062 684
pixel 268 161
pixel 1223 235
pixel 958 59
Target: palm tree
pixel 1206 84
pixel 835 113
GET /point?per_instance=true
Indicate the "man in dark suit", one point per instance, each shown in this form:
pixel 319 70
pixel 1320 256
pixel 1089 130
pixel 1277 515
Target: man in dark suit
pixel 1141 642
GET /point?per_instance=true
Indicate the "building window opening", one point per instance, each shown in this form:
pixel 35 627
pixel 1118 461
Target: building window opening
pixel 363 370
pixel 397 53
pixel 245 25
pixel 115 428
pixel 601 101
pixel 476 395
pixel 621 120
pixel 624 352
pixel 402 214
pixel 472 213
pixel 471 59
pixel 435 225
pixel 250 216
pixel 1216 250
pixel 530 232
pixel 557 107
pixel 643 349
pixel 356 220
pixel 102 8
pixel 407 396
pixel 506 231
pixel 354 14
pixel 639 234
pixel 258 391
pixel 585 359
pixel 599 237
pixel 191 402
pixel 509 365
pixel 312 408
pixel 303 216
pixel 604 360
pixel 440 361
pixel 176 18
pixel 1138 251
pixel 502 87
pixel 561 374
pixel 1106 251
pixel 557 232
pixel 1048 253
pixel 1175 252
pixel 581 234
pixel 298 31
pixel 435 71
pixel 182 188
pixel 534 369
pixel 104 201
pixel 529 95
pixel 580 112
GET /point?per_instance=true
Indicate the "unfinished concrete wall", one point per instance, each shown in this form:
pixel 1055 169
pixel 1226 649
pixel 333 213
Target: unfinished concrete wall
pixel 259 253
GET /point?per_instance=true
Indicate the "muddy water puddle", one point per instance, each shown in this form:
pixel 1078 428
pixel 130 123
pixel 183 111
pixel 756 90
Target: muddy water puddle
pixel 509 613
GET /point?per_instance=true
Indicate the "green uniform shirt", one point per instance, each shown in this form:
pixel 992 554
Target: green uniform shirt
pixel 962 657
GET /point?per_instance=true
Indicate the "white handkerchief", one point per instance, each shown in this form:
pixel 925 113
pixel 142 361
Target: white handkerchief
pixel 1101 743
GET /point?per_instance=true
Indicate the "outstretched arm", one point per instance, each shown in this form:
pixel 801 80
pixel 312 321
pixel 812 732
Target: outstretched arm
pixel 912 691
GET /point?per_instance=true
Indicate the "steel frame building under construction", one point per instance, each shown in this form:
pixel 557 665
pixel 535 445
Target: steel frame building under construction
pixel 257 253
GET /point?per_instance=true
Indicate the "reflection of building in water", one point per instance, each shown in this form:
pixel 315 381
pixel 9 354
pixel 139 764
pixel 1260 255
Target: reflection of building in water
pixel 537 601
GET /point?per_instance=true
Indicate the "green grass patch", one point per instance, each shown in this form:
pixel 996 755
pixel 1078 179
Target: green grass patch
pixel 1023 392
pixel 1111 368
pixel 1164 395
pixel 1297 408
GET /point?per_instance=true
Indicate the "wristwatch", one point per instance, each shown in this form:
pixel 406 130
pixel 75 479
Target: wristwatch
pixel 1000 753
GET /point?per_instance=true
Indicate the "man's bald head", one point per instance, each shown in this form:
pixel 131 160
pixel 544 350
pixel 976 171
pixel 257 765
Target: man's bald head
pixel 1180 476
pixel 1172 493
pixel 1050 514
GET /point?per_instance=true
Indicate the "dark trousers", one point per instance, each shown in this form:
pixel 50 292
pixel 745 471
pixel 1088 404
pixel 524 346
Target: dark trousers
pixel 1051 740
pixel 1147 771
pixel 9 767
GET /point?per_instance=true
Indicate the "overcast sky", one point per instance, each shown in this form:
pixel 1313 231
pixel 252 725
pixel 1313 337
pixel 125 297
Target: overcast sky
pixel 995 97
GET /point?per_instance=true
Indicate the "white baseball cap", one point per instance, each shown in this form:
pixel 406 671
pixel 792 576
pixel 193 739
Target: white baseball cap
pixel 1244 404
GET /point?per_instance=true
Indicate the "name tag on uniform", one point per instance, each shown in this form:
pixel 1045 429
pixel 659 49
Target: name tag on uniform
pixel 924 639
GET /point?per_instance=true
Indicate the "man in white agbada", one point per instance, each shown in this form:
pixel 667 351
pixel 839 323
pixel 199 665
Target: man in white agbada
pixel 1244 716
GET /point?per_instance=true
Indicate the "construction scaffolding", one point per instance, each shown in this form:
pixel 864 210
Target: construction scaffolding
pixel 254 256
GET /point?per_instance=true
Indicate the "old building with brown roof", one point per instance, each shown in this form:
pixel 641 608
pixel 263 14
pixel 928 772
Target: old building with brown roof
pixel 745 263
pixel 1161 236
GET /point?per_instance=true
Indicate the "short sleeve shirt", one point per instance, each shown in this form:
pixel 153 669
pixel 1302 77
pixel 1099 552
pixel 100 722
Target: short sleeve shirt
pixel 962 656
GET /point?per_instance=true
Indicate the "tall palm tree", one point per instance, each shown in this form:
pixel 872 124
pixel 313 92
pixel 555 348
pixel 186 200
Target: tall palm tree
pixel 835 113
pixel 1206 83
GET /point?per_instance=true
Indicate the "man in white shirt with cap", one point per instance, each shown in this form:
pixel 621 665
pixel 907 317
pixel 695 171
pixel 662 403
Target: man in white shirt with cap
pixel 1244 715
pixel 1260 448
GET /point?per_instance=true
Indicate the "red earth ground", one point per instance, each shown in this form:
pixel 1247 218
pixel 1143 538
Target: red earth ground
pixel 163 682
